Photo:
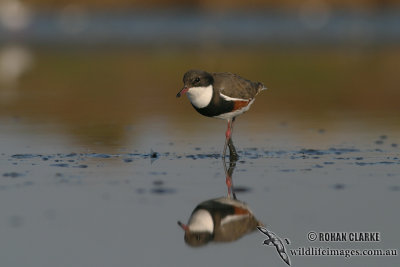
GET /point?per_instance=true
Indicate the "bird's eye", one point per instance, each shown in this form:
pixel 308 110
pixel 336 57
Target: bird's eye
pixel 197 80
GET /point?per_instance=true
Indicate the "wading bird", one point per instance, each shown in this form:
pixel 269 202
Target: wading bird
pixel 220 95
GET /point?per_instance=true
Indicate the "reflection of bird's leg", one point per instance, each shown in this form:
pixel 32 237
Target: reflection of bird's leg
pixel 232 166
pixel 228 180
pixel 233 157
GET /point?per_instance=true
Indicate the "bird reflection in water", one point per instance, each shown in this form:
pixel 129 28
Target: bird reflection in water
pixel 223 219
pixel 227 219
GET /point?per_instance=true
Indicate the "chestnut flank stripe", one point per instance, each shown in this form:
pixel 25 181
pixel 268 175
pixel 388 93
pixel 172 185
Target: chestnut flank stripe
pixel 240 104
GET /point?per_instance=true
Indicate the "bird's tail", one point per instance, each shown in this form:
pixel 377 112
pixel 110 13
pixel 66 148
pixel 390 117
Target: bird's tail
pixel 261 87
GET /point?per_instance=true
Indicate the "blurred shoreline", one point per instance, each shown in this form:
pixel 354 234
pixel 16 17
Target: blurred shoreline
pixel 77 26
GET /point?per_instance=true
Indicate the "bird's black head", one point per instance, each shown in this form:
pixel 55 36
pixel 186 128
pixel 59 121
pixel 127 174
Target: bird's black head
pixel 195 78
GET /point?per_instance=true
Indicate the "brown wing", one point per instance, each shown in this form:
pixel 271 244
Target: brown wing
pixel 235 229
pixel 233 85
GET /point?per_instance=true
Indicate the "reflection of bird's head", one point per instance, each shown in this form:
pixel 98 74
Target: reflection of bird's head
pixel 197 239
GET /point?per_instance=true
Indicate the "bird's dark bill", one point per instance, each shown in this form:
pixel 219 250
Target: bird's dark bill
pixel 182 92
pixel 183 226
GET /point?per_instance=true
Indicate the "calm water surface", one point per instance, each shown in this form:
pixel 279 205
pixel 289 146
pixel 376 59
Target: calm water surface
pixel 68 204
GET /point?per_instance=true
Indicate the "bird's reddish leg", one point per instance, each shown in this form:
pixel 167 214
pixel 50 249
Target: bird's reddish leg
pixel 228 132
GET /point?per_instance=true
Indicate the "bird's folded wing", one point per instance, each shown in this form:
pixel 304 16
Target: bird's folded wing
pixel 234 86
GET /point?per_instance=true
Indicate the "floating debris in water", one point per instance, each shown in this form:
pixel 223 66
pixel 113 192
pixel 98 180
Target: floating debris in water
pixel 386 162
pixel 82 166
pixel 287 170
pixel 63 165
pixel 191 157
pixel 241 189
pixel 25 156
pixel 375 163
pixel 339 151
pixel 12 174
pixel 99 155
pixel 154 155
pixel 158 182
pixel 162 190
pixel 338 186
pixel 311 152
pixel 203 156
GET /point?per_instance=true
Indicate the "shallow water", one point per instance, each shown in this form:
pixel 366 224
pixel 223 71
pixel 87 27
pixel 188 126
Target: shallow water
pixel 68 204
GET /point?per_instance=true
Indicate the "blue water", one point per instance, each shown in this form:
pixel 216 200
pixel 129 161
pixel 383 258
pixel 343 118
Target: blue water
pixel 68 203
pixel 193 27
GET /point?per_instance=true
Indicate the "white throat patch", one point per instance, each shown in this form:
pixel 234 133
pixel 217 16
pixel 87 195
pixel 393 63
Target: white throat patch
pixel 201 221
pixel 200 96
